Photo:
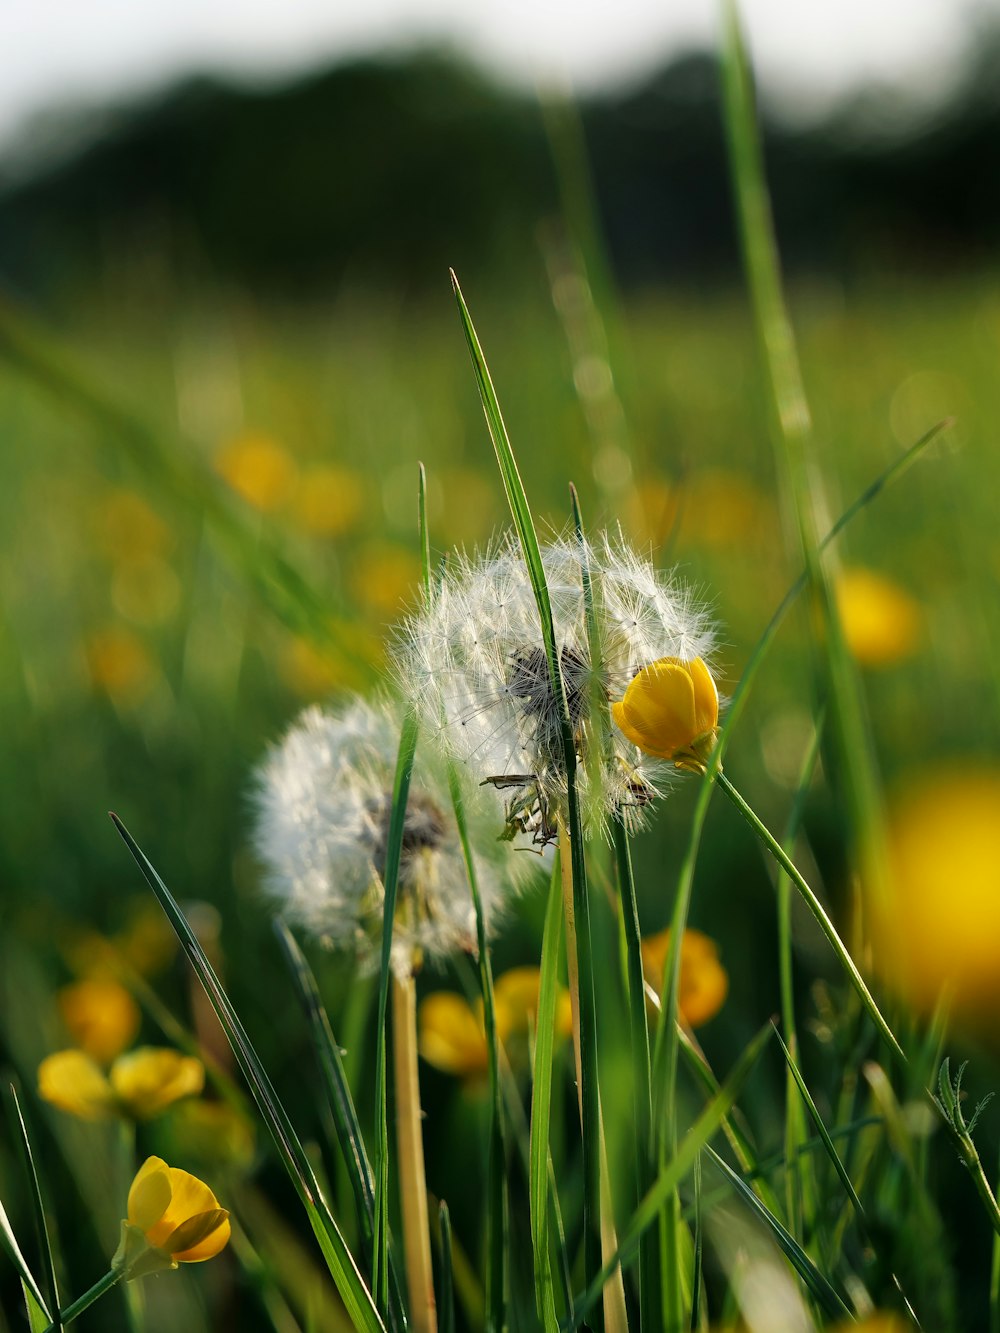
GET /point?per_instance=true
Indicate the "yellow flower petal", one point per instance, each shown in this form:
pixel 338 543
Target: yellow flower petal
pixel 73 1082
pixel 149 1079
pixel 704 982
pixel 200 1237
pixel 451 1035
pixel 150 1194
pixel 668 706
pixel 100 1015
pixel 189 1197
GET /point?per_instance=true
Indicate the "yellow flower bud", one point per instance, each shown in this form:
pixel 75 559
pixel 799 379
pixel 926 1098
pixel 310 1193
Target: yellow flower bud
pixel 140 1085
pixel 704 982
pixel 100 1015
pixel 671 711
pixel 173 1218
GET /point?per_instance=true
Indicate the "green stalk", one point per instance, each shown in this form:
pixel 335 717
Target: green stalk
pixel 88 1298
pixel 524 523
pixel 650 1294
pixel 818 911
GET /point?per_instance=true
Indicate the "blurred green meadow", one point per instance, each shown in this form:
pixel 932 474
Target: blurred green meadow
pixel 151 654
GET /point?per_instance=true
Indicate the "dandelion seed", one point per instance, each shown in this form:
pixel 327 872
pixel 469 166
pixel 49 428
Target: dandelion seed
pixel 324 802
pixel 475 664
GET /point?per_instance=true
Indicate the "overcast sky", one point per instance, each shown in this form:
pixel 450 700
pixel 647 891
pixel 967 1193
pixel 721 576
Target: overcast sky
pixel 67 51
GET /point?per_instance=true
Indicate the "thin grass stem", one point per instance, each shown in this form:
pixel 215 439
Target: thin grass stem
pixel 410 1146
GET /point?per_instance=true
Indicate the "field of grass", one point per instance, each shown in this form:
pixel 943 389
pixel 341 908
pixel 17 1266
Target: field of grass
pixel 208 519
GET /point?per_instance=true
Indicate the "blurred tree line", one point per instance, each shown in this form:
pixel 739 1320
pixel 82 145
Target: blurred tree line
pixel 391 170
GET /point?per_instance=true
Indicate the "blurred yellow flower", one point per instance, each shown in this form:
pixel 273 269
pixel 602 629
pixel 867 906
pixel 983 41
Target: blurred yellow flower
pixel 259 470
pixel 881 621
pixel 704 982
pixel 877 1323
pixel 119 664
pixel 310 671
pixel 671 710
pixel 940 929
pixel 329 500
pixel 385 578
pixel 127 528
pixel 147 941
pixel 101 1017
pixel 452 1036
pixel 213 1132
pixel 173 1218
pixel 722 508
pixel 140 1085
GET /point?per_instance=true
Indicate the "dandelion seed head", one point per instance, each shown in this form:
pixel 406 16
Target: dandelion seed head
pixel 323 803
pixel 473 661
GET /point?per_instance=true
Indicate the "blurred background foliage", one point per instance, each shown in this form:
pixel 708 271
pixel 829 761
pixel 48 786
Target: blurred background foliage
pixel 259 276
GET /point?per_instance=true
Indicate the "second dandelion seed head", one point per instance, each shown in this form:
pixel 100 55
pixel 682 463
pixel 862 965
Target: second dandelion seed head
pixel 475 663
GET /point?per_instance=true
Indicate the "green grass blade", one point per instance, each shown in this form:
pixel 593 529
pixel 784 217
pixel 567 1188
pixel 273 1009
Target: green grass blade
pixel 38 1320
pixel 20 1263
pixel 524 523
pixel 38 1203
pixel 345 1117
pixel 350 1284
pixel 497 1210
pixel 819 912
pixel 694 1141
pixel 177 473
pixel 793 440
pixel 393 855
pixel 424 531
pixel 818 1285
pixel 541 1104
pixel 446 1304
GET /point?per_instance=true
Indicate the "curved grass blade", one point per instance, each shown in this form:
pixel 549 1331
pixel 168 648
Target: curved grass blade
pixel 446 1305
pixel 20 1263
pixel 350 1284
pixel 350 1137
pixel 393 855
pixel 818 1285
pixel 694 1141
pixel 541 1105
pixel 38 1320
pixel 524 523
pixel 44 1242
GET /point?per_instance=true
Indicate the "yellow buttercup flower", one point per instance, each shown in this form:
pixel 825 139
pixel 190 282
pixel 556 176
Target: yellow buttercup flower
pixel 140 1085
pixel 452 1035
pixel 173 1218
pixel 939 931
pixel 881 621
pixel 671 711
pixel 259 470
pixel 704 982
pixel 100 1015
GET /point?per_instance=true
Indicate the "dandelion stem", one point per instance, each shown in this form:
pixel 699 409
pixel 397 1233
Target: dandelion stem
pixel 615 1317
pixel 88 1298
pixel 818 911
pixel 409 1138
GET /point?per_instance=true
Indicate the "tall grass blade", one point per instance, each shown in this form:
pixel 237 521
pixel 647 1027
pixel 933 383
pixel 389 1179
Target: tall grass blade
pixel 524 523
pixel 343 1269
pixel 41 1224
pixel 394 850
pixel 20 1263
pixel 793 431
pixel 694 1141
pixel 818 1285
pixel 541 1106
pixel 446 1304
pixel 345 1117
pixel 38 1320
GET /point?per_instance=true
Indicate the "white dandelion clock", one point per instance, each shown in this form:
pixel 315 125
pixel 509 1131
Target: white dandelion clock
pixel 475 663
pixel 323 803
